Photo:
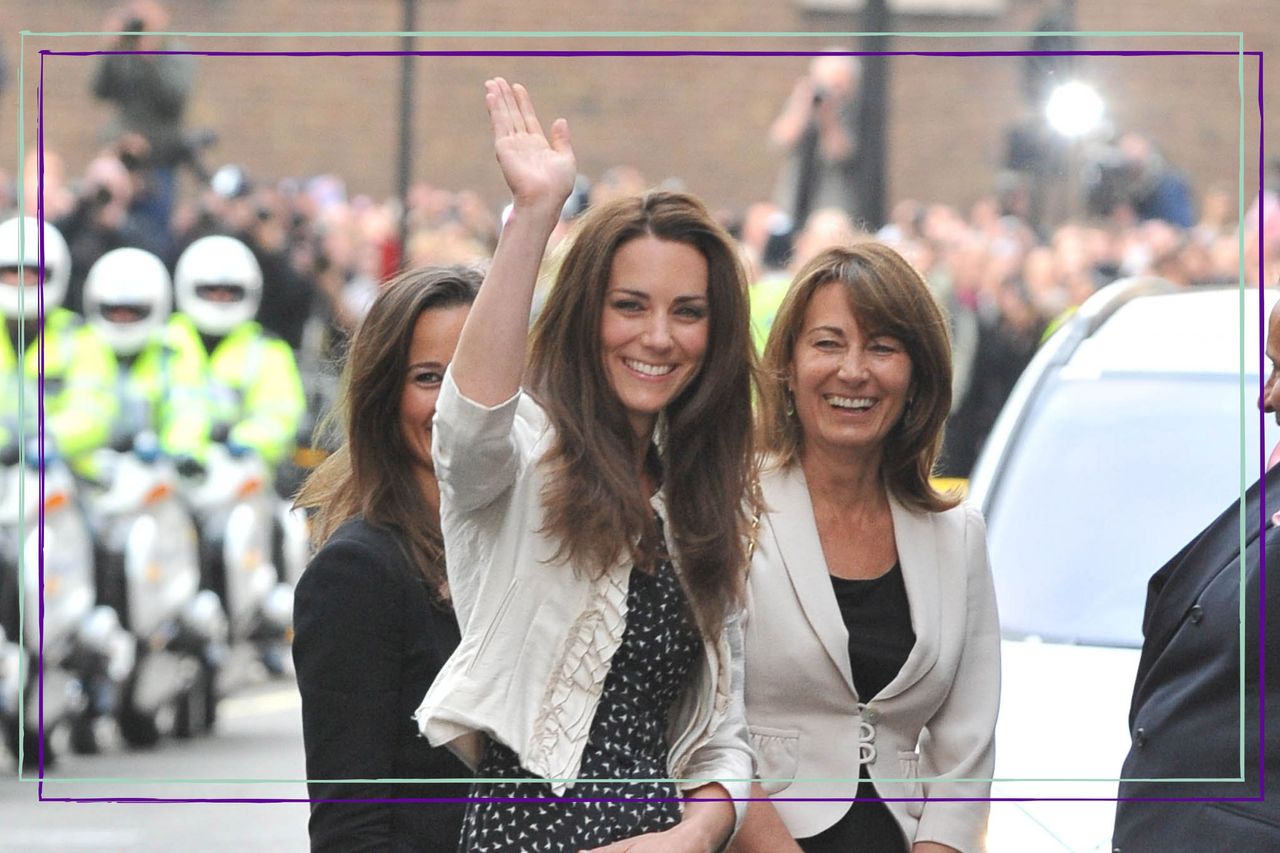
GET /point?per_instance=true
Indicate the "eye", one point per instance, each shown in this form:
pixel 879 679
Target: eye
pixel 426 377
pixel 692 312
pixel 826 344
pixel 627 305
pixel 885 346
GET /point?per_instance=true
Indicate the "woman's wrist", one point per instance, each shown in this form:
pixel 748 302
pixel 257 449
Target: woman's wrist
pixel 708 823
pixel 540 210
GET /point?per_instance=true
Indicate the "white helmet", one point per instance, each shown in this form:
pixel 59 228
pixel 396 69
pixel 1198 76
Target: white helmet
pixel 218 283
pixel 24 249
pixel 133 281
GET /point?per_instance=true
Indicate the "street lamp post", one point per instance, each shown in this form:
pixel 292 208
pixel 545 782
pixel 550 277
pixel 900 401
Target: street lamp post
pixel 404 162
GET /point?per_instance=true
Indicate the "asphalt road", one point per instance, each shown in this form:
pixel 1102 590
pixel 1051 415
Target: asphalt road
pixel 258 737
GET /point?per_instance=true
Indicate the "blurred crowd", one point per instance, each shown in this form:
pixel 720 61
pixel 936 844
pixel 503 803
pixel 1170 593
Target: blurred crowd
pixel 323 252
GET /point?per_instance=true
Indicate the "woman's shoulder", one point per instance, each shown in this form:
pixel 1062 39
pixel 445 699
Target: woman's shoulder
pixel 357 532
pixel 778 480
pixel 359 549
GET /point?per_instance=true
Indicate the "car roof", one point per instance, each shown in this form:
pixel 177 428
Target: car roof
pixel 1187 331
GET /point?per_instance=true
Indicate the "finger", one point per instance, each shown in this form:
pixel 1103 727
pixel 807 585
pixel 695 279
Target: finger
pixel 560 140
pixel 498 116
pixel 527 114
pixel 509 103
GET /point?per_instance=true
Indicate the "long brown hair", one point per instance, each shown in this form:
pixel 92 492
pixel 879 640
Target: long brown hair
pixel 887 297
pixel 370 474
pixel 593 501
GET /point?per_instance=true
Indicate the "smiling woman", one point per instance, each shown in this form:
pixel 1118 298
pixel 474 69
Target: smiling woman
pixel 373 622
pixel 593 511
pixel 871 638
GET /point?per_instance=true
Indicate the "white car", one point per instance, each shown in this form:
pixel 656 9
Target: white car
pixel 1133 427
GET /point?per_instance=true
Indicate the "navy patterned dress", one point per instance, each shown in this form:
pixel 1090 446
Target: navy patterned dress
pixel 627 740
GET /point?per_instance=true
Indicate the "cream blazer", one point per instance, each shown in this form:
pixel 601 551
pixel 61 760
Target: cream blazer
pixel 538 636
pixel 933 725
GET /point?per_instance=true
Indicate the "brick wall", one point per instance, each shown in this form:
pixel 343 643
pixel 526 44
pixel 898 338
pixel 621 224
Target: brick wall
pixel 701 119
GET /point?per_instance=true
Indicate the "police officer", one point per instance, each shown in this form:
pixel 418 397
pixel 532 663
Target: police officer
pixel 163 365
pixel 78 368
pixel 255 388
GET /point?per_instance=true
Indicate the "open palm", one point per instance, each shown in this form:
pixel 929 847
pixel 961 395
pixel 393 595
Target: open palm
pixel 538 170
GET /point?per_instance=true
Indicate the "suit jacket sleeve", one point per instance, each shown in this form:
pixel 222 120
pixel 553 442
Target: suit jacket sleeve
pixel 958 742
pixel 346 651
pixel 727 756
pixel 475 448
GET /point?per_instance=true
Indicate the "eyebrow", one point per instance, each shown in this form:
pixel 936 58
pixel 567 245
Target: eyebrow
pixel 418 364
pixel 836 330
pixel 639 294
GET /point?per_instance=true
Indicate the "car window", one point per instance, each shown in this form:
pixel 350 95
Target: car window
pixel 1108 478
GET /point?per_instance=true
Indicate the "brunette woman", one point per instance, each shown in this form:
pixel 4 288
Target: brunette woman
pixel 594 520
pixel 372 616
pixel 872 646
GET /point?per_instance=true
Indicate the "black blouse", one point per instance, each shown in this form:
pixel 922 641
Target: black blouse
pixel 878 617
pixel 368 643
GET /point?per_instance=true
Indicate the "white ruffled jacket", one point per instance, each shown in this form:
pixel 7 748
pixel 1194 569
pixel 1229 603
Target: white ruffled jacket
pixel 538 636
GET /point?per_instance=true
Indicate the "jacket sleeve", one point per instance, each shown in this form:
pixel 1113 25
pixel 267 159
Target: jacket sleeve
pixel 726 756
pixel 183 414
pixel 346 650
pixel 958 742
pixel 81 415
pixel 477 449
pixel 274 404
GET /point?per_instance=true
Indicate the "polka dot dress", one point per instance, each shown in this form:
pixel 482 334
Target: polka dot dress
pixel 627 741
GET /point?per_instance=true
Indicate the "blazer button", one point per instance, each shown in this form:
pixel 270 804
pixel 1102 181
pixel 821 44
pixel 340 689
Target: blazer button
pixel 1197 614
pixel 871 715
pixel 1140 737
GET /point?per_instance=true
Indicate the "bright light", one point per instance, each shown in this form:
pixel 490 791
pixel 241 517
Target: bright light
pixel 1074 109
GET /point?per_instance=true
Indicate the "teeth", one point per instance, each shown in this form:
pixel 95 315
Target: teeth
pixel 851 402
pixel 649 369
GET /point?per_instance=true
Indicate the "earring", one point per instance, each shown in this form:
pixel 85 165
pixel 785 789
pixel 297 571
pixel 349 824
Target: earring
pixel 791 404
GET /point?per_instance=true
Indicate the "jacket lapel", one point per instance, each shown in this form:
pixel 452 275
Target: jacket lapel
pixel 800 551
pixel 1179 583
pixel 921 553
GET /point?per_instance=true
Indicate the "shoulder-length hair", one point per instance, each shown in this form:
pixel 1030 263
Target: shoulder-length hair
pixel 370 473
pixel 887 296
pixel 593 502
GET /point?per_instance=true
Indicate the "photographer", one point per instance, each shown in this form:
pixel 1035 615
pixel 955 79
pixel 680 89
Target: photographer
pixel 150 93
pixel 101 220
pixel 816 131
pixel 1133 180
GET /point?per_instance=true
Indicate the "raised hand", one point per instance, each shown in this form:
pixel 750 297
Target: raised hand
pixel 539 172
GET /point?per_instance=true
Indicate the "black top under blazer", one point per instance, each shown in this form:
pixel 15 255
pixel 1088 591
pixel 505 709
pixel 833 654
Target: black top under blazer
pixel 1185 715
pixel 368 643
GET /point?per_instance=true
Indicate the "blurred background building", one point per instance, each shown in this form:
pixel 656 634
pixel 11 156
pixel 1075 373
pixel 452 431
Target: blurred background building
pixel 702 120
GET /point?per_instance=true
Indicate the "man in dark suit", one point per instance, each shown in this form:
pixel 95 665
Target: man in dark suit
pixel 1185 716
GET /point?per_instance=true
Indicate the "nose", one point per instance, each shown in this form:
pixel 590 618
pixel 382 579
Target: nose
pixel 1267 402
pixel 657 334
pixel 853 367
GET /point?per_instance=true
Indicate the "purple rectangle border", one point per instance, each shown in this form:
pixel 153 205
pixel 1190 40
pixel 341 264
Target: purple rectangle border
pixel 1262 756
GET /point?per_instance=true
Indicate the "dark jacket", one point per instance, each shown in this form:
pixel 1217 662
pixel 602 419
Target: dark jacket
pixel 1185 717
pixel 368 643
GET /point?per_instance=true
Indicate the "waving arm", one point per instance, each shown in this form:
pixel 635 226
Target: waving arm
pixel 539 171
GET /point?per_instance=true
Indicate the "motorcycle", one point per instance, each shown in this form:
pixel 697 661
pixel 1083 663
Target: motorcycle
pixel 148 562
pixel 67 654
pixel 231 495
